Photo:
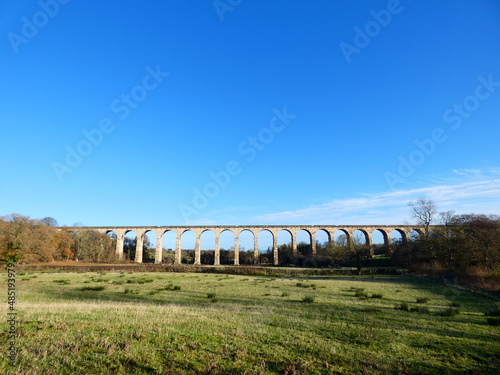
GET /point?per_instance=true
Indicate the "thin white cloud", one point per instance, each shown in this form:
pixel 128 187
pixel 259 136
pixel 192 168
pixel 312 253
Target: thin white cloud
pixel 461 190
pixel 392 207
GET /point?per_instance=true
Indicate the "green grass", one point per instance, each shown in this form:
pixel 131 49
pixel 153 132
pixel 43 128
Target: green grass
pixel 213 324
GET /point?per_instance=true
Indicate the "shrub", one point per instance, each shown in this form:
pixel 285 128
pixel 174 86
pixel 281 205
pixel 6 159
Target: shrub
pixel 450 311
pixel 357 289
pixel 303 285
pixel 423 300
pixel 454 304
pixel 64 282
pixel 420 309
pixel 92 288
pixel 403 307
pixel 170 287
pixel 377 295
pixel 494 321
pixel 285 294
pixel 211 295
pixel 494 312
pixel 360 294
pixel 308 299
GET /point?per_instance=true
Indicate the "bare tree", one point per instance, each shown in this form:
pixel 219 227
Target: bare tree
pixel 424 211
pixel 50 221
pixel 447 217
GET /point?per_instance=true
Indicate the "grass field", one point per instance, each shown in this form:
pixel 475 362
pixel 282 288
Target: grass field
pixel 181 323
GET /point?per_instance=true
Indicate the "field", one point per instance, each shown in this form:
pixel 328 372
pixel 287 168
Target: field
pixel 184 323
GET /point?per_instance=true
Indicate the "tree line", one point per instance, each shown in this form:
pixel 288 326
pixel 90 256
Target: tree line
pixel 26 240
pixel 460 243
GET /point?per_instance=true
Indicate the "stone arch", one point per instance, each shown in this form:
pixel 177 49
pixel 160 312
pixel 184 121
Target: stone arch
pixel 305 248
pixel 188 246
pixel 184 230
pixel 246 243
pixel 149 253
pixel 357 238
pixel 226 254
pixel 415 233
pixel 323 230
pixel 364 234
pixel 207 252
pixel 285 246
pixel 168 238
pixel 337 237
pixel 120 235
pixel 378 248
pixel 284 231
pixel 320 240
pixel 130 244
pixel 111 233
pixel 402 234
pixel 266 257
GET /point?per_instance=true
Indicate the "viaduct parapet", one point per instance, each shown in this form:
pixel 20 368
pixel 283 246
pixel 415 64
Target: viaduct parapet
pixel 348 230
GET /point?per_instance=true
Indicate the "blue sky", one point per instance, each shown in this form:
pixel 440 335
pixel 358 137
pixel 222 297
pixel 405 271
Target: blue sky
pixel 259 112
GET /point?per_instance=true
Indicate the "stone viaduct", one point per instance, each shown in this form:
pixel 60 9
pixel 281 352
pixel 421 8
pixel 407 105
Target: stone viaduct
pixel 348 230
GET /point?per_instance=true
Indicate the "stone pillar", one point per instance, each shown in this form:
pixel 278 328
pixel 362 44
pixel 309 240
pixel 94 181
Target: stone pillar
pixel 331 237
pixel 349 234
pixel 139 247
pixel 387 240
pixel 275 249
pixel 119 244
pixel 159 248
pixel 369 244
pixel 178 250
pixel 197 253
pixel 406 236
pixel 236 250
pixel 294 244
pixel 217 250
pixel 255 248
pixel 313 243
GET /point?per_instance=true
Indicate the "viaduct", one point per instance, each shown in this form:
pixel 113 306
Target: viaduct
pixel 348 230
